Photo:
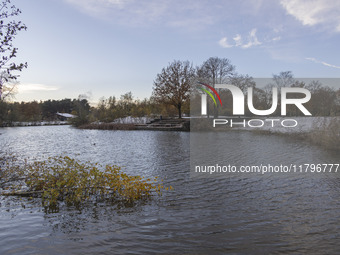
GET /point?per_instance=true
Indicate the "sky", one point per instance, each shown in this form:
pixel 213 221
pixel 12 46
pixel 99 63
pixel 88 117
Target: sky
pixel 102 48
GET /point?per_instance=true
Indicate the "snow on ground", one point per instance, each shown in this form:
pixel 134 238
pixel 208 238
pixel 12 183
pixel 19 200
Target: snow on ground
pixel 133 120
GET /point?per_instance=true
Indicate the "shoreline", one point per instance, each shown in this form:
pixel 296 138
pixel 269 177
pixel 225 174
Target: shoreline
pixel 35 123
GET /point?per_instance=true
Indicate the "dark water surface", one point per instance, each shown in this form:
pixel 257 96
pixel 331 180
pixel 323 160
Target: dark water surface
pixel 253 214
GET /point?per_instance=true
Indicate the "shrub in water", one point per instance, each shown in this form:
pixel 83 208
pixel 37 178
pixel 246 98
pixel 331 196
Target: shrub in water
pixel 65 179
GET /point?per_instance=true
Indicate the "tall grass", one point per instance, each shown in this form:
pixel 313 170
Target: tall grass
pixel 327 133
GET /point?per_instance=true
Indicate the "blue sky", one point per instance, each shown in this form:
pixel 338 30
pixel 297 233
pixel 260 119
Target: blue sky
pixel 109 47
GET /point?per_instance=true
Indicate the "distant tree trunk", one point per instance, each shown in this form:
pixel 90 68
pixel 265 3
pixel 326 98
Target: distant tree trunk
pixel 215 106
pixel 179 107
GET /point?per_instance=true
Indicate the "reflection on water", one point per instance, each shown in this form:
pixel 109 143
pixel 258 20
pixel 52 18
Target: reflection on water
pixel 242 214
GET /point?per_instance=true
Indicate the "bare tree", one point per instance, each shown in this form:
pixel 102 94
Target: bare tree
pixel 172 85
pixel 8 31
pixel 243 82
pixel 216 71
pixel 284 79
pixel 323 101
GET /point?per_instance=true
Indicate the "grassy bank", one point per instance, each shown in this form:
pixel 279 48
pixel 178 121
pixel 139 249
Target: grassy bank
pixel 325 133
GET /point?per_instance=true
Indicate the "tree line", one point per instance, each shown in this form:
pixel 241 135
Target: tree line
pixel 34 111
pixel 178 81
pixel 175 92
pixel 106 110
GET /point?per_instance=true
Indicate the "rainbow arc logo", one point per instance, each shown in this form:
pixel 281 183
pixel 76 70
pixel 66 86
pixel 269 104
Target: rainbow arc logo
pixel 209 93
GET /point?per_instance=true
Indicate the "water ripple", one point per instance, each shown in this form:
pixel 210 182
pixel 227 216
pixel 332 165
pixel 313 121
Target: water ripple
pixel 253 214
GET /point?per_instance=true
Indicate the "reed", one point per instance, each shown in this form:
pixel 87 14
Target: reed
pixel 326 133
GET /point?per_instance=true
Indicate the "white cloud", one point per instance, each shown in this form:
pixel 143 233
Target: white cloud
pixel 314 12
pixel 238 40
pixel 224 43
pixel 34 87
pixel 252 41
pixel 323 63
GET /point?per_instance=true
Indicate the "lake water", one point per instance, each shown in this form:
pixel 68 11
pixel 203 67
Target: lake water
pixel 243 214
